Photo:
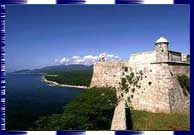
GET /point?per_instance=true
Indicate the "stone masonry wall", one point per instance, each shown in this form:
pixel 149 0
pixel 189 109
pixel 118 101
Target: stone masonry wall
pixel 162 52
pixel 143 57
pixel 180 69
pixel 107 74
pixel 156 89
pixel 119 118
pixel 150 93
pixel 178 101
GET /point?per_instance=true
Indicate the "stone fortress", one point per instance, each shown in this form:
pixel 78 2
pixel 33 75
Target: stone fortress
pixel 148 80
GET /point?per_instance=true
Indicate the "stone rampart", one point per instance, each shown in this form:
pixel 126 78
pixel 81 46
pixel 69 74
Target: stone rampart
pixel 119 118
pixel 107 74
pixel 180 68
pixel 156 89
pixel 148 81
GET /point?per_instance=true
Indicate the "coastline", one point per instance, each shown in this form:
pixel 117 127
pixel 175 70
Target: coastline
pixel 52 83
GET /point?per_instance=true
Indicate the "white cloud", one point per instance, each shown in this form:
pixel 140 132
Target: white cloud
pixel 86 60
pixel 64 60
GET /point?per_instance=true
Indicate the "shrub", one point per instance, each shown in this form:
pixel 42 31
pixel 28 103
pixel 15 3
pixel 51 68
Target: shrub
pixel 124 84
pixel 130 78
pixel 92 110
pixel 126 69
pixel 184 81
pixel 133 90
pixel 141 72
pixel 71 77
pixel 129 99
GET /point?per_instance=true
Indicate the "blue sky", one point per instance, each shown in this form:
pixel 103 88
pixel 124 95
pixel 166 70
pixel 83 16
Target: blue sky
pixel 38 36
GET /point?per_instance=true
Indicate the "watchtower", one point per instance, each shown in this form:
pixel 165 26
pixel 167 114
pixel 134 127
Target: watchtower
pixel 162 50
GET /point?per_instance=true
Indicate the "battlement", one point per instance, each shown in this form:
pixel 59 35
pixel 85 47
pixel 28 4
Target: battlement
pixel 161 53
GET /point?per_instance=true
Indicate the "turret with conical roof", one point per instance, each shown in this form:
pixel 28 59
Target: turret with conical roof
pixel 162 50
pixel 161 40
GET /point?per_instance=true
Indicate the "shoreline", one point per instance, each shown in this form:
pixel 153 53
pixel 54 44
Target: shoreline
pixel 52 83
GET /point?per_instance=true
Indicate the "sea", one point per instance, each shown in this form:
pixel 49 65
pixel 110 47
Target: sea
pixel 28 98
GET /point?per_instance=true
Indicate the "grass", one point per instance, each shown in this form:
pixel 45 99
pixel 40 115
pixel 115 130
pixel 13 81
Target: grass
pixel 141 120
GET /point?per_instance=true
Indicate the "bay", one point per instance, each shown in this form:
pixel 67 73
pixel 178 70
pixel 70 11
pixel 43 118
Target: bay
pixel 28 98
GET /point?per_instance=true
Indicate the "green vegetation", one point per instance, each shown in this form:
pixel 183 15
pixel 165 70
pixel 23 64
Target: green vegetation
pixel 129 78
pixel 130 83
pixel 184 81
pixel 81 78
pixel 141 120
pixel 124 85
pixel 91 110
pixel 125 69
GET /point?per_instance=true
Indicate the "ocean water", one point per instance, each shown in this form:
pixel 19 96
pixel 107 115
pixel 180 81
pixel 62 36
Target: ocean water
pixel 28 98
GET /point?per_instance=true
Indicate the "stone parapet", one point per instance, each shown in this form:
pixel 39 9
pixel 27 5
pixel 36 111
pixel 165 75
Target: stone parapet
pixel 119 118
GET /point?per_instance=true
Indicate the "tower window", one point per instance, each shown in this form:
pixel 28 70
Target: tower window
pixel 162 50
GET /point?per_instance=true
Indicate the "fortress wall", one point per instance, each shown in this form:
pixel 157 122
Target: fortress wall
pixel 107 74
pixel 156 91
pixel 180 69
pixel 152 96
pixel 163 95
pixel 144 57
pixel 119 118
pixel 178 101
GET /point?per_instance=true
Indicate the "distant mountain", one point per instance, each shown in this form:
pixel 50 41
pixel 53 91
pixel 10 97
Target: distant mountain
pixel 58 68
pixel 23 71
